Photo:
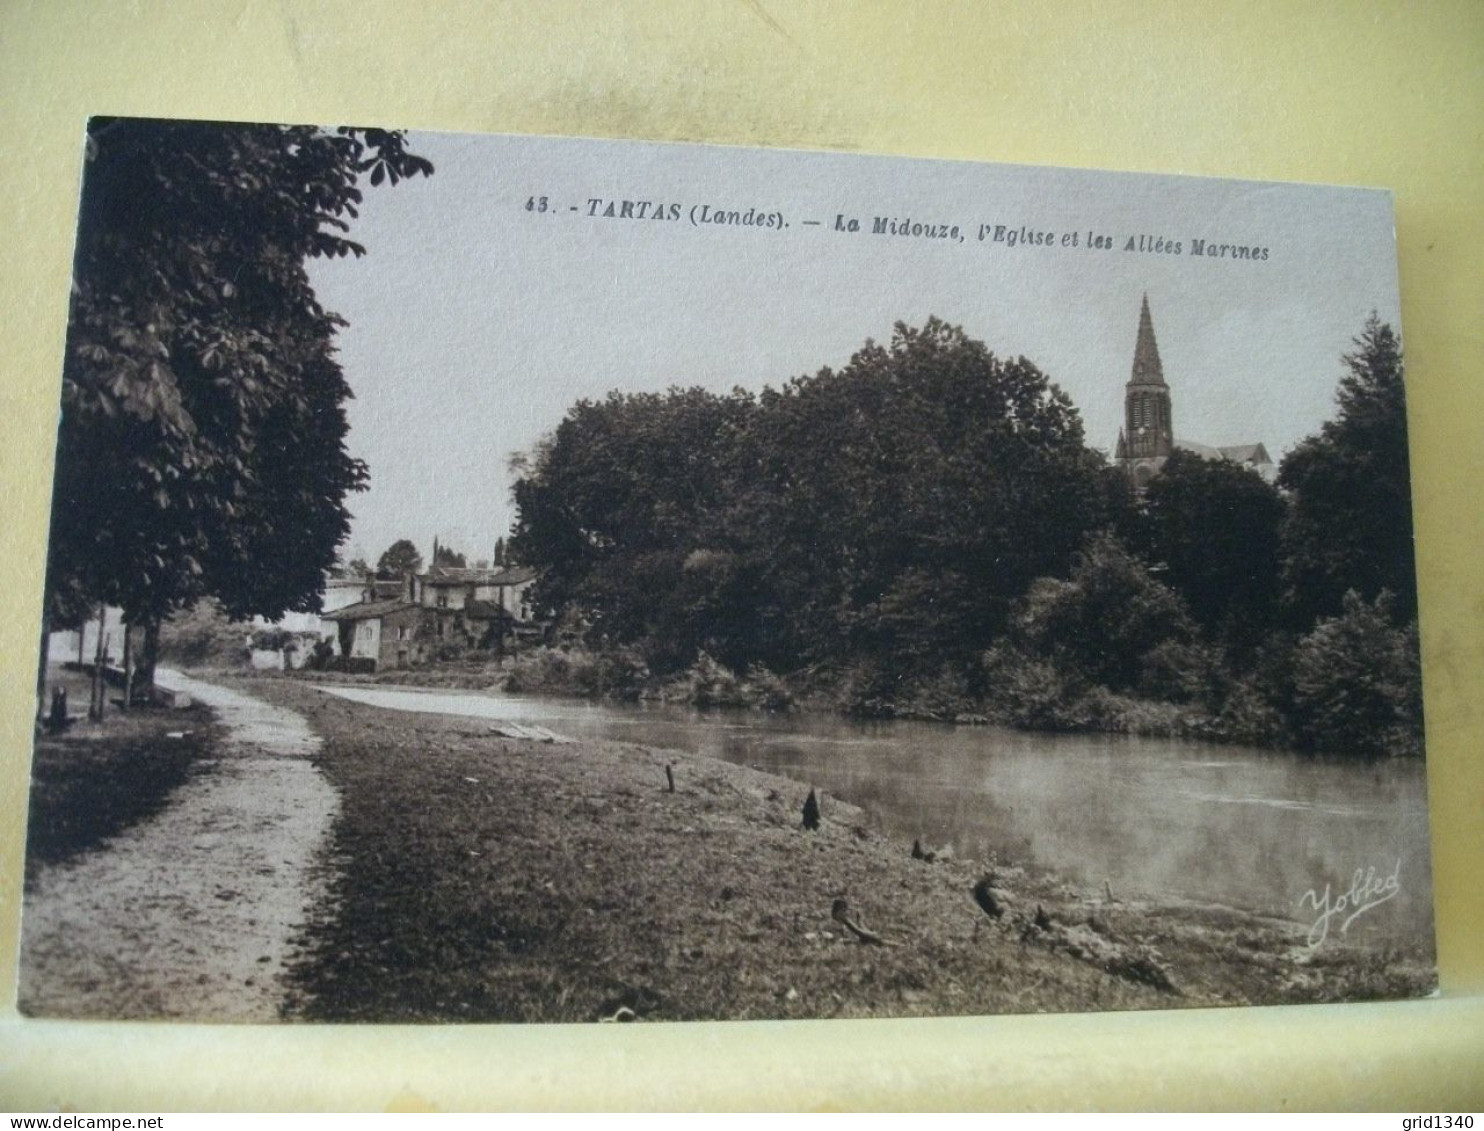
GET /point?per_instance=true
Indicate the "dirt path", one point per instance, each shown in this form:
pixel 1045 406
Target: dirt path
pixel 189 914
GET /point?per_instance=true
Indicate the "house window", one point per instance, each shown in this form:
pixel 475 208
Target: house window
pixel 402 632
pixel 443 600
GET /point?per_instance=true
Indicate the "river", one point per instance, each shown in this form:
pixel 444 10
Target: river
pixel 1162 818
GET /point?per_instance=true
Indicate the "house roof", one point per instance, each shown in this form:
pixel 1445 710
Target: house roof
pixel 516 575
pixel 369 610
pixel 485 610
pixel 451 575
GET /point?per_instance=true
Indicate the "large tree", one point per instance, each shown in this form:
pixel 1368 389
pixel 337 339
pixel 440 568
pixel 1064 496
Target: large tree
pixel 891 509
pixel 201 449
pixel 1214 528
pixel 624 510
pixel 1350 523
pixel 400 558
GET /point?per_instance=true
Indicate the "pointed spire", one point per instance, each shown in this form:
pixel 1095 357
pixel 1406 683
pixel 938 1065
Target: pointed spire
pixel 1147 368
pixel 1121 452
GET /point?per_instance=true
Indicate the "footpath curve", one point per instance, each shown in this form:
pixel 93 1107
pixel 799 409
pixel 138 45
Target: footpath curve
pixel 189 915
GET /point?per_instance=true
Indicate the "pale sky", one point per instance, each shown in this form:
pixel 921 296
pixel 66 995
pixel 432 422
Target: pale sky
pixel 475 324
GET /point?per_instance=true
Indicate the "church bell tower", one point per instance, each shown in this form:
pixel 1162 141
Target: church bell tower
pixel 1148 435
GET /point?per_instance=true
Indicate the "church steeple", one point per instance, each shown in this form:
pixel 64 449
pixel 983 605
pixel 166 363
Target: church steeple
pixel 1148 429
pixel 1147 368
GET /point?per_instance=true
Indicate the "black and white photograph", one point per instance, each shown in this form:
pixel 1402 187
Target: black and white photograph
pixel 517 579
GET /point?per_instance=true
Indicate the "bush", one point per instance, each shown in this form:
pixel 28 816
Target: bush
pixel 1104 620
pixel 1102 710
pixel 1357 682
pixel 943 695
pixel 866 689
pixel 708 683
pixel 272 640
pixel 620 674
pixel 1249 717
pixel 767 690
pixel 204 637
pixel 1026 692
pixel 1178 671
pixel 321 656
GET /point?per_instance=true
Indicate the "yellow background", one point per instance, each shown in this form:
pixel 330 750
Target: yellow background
pixel 1370 93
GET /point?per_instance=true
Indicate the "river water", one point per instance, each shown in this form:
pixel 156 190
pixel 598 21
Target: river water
pixel 1150 817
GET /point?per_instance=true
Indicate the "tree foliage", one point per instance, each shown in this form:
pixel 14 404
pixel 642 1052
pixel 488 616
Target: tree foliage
pixel 1213 526
pixel 925 531
pixel 1105 621
pixel 201 449
pixel 399 559
pixel 1356 682
pixel 1350 525
pixel 877 510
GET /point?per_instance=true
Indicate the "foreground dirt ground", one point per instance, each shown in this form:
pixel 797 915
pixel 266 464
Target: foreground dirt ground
pixel 171 862
pixel 481 878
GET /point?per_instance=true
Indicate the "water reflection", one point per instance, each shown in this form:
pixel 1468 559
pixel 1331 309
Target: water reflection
pixel 1159 817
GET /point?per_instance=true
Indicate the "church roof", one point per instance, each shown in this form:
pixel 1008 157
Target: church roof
pixel 1147 367
pixel 1205 451
pixel 1247 453
pixel 1254 456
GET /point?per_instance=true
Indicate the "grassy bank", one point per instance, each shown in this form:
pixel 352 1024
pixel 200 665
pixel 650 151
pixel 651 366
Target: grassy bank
pixel 489 879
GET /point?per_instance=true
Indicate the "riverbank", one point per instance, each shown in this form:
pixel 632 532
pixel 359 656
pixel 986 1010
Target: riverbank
pixel 479 878
pixel 1025 695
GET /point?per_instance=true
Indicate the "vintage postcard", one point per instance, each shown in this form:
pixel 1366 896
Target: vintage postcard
pixel 526 579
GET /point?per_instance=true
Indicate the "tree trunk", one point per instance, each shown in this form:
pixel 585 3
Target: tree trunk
pixel 149 654
pixel 128 664
pixel 95 701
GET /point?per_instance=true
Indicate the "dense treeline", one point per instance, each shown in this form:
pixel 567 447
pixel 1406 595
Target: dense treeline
pixel 926 532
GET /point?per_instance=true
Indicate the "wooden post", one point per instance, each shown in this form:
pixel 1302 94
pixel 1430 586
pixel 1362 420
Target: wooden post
pixel 128 663
pixel 96 699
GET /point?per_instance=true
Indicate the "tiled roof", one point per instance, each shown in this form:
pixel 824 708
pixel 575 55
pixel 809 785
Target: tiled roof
pixel 485 610
pixel 1246 453
pixel 369 610
pixel 1236 453
pixel 515 575
pixel 451 575
pixel 1206 451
